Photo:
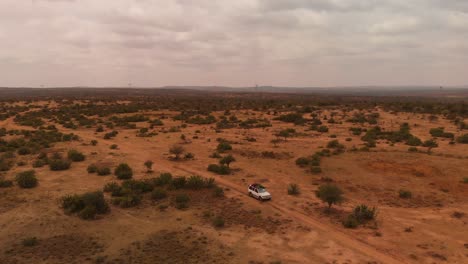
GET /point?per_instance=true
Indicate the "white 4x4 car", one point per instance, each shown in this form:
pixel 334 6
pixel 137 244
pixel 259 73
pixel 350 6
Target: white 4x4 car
pixel 258 191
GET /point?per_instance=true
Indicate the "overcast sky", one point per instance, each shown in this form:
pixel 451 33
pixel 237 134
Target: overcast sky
pixel 233 42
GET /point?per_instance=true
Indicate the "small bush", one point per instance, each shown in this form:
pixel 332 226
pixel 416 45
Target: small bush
pixel 75 156
pixel 293 189
pixel 137 186
pixel 430 144
pixel 463 139
pixel 163 179
pixel 315 170
pixel 179 182
pixel 189 155
pixel 405 194
pixel 149 165
pixel 465 180
pixel 363 213
pixel 218 192
pixel 177 150
pixel 114 146
pixel 24 151
pixel 111 187
pixel 350 222
pixel 59 164
pixel 30 242
pixel 129 200
pixel 195 182
pixel 158 194
pixel 218 222
pixel 92 168
pixel 5 183
pixel 123 171
pixel 103 171
pixel 215 155
pixel 181 201
pixel 38 163
pixel 223 147
pixel 302 162
pixel 26 179
pixel 413 149
pixel 86 205
pixel 219 169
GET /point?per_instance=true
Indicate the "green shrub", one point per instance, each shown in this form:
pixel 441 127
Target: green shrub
pixel 302 162
pixel 430 143
pixel 218 222
pixel 149 165
pixel 413 141
pixel 181 201
pixel 5 183
pixel 92 168
pixel 322 129
pixel 218 192
pixel 123 171
pixel 30 242
pixel 330 194
pixel 24 151
pixel 463 139
pixel 315 169
pixel 195 182
pixel 413 149
pixel 111 187
pixel 103 171
pixel 215 155
pixel 137 186
pixel 179 182
pixel 38 163
pixel 114 146
pixel 158 194
pixel 219 169
pixel 176 150
pixel 363 213
pixel 26 179
pixel 223 147
pixel 86 205
pixel 129 200
pixel 405 194
pixel 335 144
pixel 163 179
pixel 189 155
pixel 465 180
pixel 59 164
pixel 293 189
pixel 350 222
pixel 75 155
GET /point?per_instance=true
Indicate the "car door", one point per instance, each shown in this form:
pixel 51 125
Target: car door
pixel 255 193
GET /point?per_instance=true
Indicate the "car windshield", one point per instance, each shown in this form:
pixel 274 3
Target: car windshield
pixel 261 190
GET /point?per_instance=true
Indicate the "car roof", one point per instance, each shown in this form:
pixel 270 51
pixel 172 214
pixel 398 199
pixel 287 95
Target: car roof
pixel 257 185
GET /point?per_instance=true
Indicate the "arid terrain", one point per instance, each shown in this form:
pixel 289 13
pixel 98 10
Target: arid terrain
pixel 389 154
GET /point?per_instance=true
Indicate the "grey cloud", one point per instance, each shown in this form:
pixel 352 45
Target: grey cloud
pixel 227 42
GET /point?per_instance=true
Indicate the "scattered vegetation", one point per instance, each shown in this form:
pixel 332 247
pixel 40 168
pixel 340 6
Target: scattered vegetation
pixel 87 206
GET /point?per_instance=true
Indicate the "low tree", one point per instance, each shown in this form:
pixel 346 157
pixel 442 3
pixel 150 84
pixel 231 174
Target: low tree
pixel 330 194
pixel 149 165
pixel 176 150
pixel 227 160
